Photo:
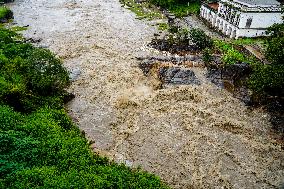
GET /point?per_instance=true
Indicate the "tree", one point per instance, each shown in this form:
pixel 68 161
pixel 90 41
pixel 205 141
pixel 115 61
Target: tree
pixel 268 79
pixel 200 39
pixel 275 44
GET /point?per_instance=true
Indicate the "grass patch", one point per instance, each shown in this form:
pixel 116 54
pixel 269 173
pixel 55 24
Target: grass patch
pixel 230 54
pixel 149 9
pixel 143 10
pixel 181 10
pixel 18 28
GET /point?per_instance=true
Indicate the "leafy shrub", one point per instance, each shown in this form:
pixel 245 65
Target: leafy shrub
pixel 207 56
pixel 230 54
pixel 173 29
pixel 222 46
pixel 183 36
pixel 45 73
pixel 163 26
pixel 5 14
pixel 233 56
pixel 275 44
pixel 6 36
pixel 267 79
pixel 275 50
pixel 200 39
pixel 29 77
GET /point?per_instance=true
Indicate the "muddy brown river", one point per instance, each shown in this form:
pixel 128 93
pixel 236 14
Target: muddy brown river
pixel 193 136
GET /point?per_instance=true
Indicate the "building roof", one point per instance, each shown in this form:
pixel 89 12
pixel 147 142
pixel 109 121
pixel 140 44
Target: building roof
pixel 265 3
pixel 213 6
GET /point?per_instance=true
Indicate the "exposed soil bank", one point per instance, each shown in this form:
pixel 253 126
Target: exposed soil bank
pixel 195 136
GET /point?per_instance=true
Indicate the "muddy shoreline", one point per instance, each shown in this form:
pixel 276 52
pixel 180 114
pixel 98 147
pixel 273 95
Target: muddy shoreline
pixel 192 136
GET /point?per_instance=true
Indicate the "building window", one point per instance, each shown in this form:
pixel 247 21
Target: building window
pixel 248 24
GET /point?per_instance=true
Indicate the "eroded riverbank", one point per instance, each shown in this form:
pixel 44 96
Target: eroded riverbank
pixel 193 136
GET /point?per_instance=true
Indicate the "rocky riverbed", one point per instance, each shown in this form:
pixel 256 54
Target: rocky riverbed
pixel 193 136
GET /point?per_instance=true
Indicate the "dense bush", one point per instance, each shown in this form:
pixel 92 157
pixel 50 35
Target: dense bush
pixel 207 56
pixel 267 79
pixel 29 77
pixel 275 44
pixel 275 50
pixel 5 14
pixel 233 56
pixel 200 39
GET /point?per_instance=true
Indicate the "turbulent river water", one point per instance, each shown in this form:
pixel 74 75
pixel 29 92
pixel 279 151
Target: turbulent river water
pixel 194 136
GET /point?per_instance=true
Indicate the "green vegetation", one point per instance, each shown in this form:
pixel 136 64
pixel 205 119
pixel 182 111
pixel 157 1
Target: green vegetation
pixel 149 8
pixel 45 150
pixel 269 79
pixel 40 147
pixel 275 44
pixel 207 56
pixel 266 79
pixel 143 10
pixel 163 26
pixel 247 41
pixel 182 40
pixel 17 28
pixel 29 77
pixel 179 7
pixel 200 39
pixel 5 14
pixel 230 55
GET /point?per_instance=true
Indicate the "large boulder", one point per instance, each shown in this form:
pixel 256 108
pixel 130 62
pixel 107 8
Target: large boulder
pixel 176 75
pixel 236 71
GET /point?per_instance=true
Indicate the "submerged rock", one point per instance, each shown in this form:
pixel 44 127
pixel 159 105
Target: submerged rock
pixel 236 71
pixel 74 74
pixel 232 73
pixel 176 75
pixel 146 65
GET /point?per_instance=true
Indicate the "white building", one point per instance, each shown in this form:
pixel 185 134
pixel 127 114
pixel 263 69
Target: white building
pixel 242 18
